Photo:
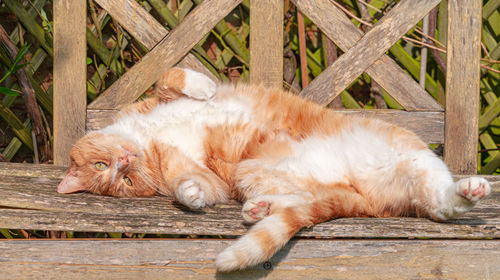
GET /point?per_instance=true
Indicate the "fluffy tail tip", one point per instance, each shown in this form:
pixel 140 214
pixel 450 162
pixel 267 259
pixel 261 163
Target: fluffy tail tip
pixel 227 261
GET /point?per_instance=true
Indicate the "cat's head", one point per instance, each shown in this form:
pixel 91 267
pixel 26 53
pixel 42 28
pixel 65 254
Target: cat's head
pixel 109 165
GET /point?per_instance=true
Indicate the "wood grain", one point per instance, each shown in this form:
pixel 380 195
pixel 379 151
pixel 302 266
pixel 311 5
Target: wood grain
pixel 324 88
pixel 266 42
pixel 427 125
pixel 146 29
pixel 29 201
pixel 462 85
pixel 165 54
pixel 70 76
pixel 299 259
pixel 385 71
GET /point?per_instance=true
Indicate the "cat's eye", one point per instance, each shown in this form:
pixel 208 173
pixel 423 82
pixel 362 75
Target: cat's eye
pixel 127 181
pixel 101 166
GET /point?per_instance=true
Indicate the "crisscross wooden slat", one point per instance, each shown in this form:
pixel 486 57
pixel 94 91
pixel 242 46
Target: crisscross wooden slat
pixel 367 50
pixel 337 26
pixel 165 54
pixel 146 29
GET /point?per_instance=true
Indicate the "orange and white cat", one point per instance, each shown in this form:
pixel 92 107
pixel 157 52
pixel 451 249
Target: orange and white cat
pixel 292 162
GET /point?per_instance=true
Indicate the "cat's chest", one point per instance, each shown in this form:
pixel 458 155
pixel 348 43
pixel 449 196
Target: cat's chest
pixel 183 124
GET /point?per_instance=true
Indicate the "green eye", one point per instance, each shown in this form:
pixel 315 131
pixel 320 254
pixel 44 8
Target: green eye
pixel 101 166
pixel 127 181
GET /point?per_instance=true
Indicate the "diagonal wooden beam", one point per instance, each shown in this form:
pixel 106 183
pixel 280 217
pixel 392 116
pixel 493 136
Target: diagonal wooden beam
pixel 146 29
pixel 365 52
pixel 337 26
pixel 165 54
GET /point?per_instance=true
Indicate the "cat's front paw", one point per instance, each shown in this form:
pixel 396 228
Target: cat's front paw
pixel 198 86
pixel 473 188
pixel 255 210
pixel 190 194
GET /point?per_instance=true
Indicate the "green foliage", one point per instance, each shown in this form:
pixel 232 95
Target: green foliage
pixel 15 64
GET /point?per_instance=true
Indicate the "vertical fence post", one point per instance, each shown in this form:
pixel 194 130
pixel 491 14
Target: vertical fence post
pixel 462 86
pixel 266 42
pixel 69 76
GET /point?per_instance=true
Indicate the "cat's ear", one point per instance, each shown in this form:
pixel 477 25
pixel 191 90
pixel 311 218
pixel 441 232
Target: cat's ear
pixel 71 183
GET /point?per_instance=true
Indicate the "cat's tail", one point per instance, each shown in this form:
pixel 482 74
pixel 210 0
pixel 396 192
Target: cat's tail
pixel 271 233
pixel 262 241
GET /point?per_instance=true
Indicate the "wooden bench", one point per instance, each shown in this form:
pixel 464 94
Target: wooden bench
pixel 387 248
pixel 355 248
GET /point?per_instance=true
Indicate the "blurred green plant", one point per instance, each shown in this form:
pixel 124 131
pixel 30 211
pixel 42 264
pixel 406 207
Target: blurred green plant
pixel 15 64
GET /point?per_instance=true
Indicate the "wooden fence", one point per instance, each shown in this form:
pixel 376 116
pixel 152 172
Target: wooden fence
pixel 456 125
pixel 368 248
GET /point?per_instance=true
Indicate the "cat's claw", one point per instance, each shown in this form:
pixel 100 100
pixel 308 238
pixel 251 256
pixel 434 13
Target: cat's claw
pixel 474 188
pixel 253 211
pixel 191 195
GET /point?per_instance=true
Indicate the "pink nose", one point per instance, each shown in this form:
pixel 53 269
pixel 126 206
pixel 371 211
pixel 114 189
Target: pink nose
pixel 123 161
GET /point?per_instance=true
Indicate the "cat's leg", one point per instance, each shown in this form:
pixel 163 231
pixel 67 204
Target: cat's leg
pixel 460 197
pixel 187 180
pixel 279 216
pixel 199 189
pixel 256 208
pixel 177 82
pixel 432 190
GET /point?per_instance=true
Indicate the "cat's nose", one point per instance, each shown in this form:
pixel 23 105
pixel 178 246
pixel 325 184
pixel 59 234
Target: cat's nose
pixel 123 161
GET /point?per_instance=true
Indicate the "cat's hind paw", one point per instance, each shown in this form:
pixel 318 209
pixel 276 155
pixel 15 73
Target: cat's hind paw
pixel 190 194
pixel 473 188
pixel 254 211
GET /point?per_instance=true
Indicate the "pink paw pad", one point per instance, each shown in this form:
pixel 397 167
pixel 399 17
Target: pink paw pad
pixel 261 208
pixel 253 212
pixel 475 189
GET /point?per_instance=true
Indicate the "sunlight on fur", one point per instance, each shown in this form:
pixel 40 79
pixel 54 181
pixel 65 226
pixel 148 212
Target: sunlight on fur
pixel 291 162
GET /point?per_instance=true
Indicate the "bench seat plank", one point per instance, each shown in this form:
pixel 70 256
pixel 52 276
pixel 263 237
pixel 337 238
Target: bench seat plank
pixel 304 259
pixel 28 200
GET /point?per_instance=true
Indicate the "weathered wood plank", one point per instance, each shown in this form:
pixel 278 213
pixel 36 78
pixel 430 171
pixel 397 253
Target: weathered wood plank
pixel 367 50
pixel 99 118
pixel 31 202
pixel 165 54
pixel 300 259
pixel 12 169
pixel 137 21
pixel 70 75
pixel 462 85
pixel 428 125
pixel 266 42
pixel 337 26
pixel 146 29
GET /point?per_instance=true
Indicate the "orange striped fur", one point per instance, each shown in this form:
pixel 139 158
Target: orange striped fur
pixel 291 162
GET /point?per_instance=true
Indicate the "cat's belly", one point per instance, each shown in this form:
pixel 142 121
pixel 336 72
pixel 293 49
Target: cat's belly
pixel 341 157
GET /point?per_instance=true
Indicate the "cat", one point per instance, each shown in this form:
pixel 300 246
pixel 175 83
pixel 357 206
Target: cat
pixel 291 162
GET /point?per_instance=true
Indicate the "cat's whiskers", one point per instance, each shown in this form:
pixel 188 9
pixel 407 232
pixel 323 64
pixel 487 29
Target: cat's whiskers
pixel 150 182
